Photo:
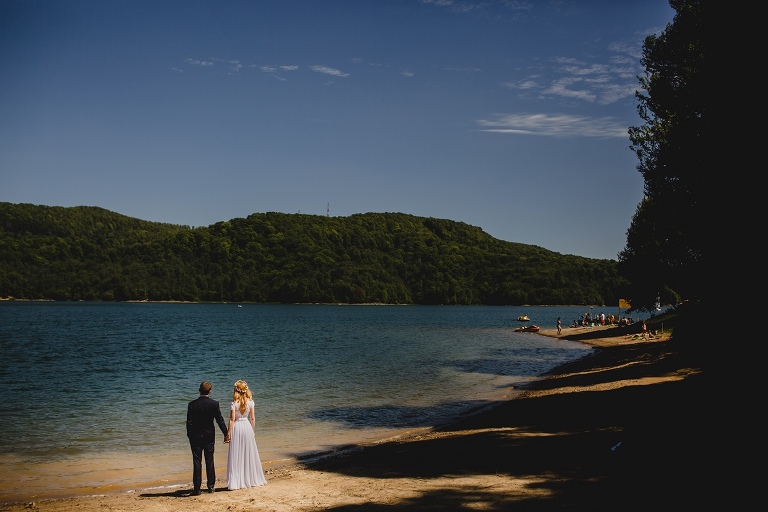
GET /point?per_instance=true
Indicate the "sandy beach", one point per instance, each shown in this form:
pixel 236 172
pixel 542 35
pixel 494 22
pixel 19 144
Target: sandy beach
pixel 615 430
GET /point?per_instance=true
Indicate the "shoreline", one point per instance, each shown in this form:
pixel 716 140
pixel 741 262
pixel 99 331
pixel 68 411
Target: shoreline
pixel 595 425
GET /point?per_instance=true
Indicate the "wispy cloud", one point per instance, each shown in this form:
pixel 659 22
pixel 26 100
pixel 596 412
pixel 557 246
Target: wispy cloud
pixel 275 71
pixel 196 62
pixel 329 71
pixel 601 83
pixel 558 125
pixel 468 6
pixel 439 3
pixel 464 70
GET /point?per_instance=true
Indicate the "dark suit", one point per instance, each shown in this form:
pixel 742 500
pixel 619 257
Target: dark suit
pixel 201 432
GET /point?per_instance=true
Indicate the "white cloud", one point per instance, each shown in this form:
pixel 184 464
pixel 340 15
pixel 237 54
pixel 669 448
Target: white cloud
pixel 560 125
pixel 439 3
pixel 565 89
pixel 528 83
pixel 275 70
pixel 471 6
pixel 591 82
pixel 196 62
pixel 328 71
pixel 464 70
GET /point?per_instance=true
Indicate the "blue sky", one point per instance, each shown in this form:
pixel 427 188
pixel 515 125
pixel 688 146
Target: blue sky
pixel 510 116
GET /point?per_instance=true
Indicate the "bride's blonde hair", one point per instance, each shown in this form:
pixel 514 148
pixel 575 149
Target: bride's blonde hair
pixel 241 395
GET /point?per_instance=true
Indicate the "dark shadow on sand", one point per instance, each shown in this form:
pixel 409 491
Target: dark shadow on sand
pixel 629 448
pixel 179 493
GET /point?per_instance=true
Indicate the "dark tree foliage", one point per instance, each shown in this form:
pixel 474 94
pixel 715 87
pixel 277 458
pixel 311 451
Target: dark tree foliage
pixel 663 255
pixel 88 253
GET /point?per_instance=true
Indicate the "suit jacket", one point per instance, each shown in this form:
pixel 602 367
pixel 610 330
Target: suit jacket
pixel 201 414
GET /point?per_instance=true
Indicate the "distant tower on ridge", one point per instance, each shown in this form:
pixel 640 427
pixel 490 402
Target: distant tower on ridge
pixel 328 210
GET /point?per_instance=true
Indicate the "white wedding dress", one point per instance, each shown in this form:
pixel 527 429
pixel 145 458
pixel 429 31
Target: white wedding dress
pixel 244 464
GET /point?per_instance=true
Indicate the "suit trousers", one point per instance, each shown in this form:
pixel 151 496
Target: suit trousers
pixel 198 450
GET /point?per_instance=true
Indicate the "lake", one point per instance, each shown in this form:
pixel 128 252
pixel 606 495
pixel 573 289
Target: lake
pixel 96 393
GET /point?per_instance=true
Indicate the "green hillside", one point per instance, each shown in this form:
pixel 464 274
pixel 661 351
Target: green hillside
pixel 89 253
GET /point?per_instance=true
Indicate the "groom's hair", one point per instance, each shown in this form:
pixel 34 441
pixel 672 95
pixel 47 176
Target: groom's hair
pixel 205 388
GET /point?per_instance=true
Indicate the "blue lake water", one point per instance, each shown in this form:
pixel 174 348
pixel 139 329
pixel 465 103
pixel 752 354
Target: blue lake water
pixel 95 393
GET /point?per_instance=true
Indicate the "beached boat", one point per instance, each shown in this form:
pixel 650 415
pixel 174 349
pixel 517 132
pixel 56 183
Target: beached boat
pixel 528 328
pixel 523 318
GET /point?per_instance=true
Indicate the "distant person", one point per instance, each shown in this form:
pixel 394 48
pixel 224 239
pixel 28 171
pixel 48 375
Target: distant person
pixel 645 329
pixel 244 465
pixel 201 431
pixel 559 326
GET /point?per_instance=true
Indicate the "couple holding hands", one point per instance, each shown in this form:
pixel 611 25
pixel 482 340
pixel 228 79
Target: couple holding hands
pixel 244 464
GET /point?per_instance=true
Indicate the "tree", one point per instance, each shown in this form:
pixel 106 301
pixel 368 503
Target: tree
pixel 663 254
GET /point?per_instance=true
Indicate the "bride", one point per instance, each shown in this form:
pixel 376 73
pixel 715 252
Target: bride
pixel 244 464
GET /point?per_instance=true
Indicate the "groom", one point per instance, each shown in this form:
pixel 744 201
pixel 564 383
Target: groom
pixel 201 432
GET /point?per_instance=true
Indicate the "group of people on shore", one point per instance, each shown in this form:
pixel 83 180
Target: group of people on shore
pixel 645 333
pixel 244 467
pixel 588 320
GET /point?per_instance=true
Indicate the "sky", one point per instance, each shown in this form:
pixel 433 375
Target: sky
pixel 510 116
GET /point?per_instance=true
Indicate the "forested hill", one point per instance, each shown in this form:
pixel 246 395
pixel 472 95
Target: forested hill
pixel 89 253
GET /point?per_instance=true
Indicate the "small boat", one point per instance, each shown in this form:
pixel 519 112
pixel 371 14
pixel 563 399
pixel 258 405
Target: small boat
pixel 528 328
pixel 523 318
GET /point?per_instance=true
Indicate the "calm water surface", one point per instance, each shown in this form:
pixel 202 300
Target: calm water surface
pixel 96 393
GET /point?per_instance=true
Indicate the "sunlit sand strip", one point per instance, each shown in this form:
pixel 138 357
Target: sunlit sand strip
pixel 678 375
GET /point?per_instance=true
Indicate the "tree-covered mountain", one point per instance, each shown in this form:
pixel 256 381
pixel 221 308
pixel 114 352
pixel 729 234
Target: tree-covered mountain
pixel 89 253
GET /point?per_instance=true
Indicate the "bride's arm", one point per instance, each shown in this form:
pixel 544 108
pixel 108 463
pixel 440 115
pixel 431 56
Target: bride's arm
pixel 229 427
